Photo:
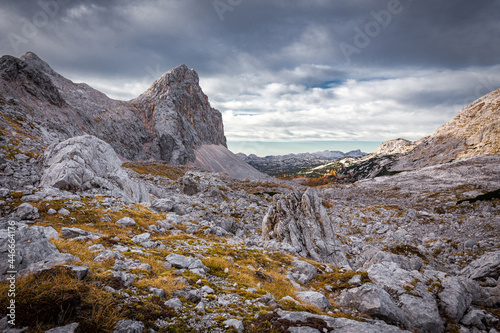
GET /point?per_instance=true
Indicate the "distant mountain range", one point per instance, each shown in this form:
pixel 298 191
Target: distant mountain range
pixel 294 163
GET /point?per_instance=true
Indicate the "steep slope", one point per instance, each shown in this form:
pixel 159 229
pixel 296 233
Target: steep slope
pixel 474 131
pixel 167 122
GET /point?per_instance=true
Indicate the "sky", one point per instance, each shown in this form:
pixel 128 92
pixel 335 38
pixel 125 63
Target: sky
pixel 278 70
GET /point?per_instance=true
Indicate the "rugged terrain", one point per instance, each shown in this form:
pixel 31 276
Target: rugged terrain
pixel 104 244
pixel 474 131
pixel 281 165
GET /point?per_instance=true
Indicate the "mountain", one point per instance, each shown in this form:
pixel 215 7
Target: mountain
pixel 474 131
pixel 170 121
pixel 294 163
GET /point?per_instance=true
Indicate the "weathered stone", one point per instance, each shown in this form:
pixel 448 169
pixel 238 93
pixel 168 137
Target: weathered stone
pixel 303 329
pixel 486 266
pixel 126 222
pixel 97 248
pixel 131 264
pixel 474 318
pixel 157 292
pixel 454 299
pixel 306 272
pixel 25 211
pixel 34 252
pixel 342 325
pixel 174 303
pixel 108 255
pixel 179 261
pixel 85 162
pixel 64 211
pixel 422 313
pixel 189 186
pixel 128 326
pixel 301 221
pixel 75 233
pixel 314 298
pixel 374 301
pixel 163 205
pixel 80 272
pixel 235 323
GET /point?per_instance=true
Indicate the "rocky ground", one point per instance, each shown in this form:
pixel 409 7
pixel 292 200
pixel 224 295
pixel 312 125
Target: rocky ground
pixel 154 247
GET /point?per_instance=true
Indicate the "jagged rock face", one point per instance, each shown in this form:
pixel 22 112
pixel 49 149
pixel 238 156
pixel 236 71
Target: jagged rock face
pixel 474 131
pixel 167 122
pixel 300 220
pixel 180 113
pixel 85 162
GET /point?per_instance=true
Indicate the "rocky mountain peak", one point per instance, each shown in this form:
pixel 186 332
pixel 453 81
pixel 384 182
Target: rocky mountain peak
pixel 180 77
pixel 33 60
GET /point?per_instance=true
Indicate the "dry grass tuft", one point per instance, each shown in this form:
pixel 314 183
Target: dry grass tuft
pixel 55 298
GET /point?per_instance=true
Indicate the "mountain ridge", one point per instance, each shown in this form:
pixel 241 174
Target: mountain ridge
pixel 169 121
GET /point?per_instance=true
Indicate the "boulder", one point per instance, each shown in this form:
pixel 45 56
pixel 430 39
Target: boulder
pixel 486 266
pixel 163 205
pixel 85 163
pixel 174 303
pixel 339 325
pixel 305 271
pixel 422 313
pixel 108 255
pixel 314 298
pixel 236 324
pixel 301 221
pixel 128 326
pixel 374 301
pixel 179 261
pixel 454 299
pixel 80 272
pixel 126 222
pixel 34 252
pixel 75 233
pixel 25 211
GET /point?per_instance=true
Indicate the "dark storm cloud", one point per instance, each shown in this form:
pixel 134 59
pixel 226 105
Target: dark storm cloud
pixel 275 56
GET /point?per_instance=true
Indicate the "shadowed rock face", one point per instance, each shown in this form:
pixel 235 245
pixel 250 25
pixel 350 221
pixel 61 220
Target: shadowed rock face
pixel 300 220
pixel 168 122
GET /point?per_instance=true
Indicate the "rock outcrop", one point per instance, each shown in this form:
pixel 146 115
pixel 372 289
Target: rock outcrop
pixel 84 163
pixel 301 222
pixel 33 252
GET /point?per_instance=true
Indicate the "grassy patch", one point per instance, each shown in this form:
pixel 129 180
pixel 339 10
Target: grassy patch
pixel 55 298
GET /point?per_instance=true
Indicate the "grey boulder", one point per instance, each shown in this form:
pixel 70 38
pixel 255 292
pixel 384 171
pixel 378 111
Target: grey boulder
pixel 374 301
pixel 314 298
pixel 33 251
pixel 84 163
pixel 25 211
pixel 304 271
pixel 486 266
pixel 128 326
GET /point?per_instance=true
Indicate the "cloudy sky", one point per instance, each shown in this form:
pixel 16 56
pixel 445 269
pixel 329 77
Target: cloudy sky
pixel 279 70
